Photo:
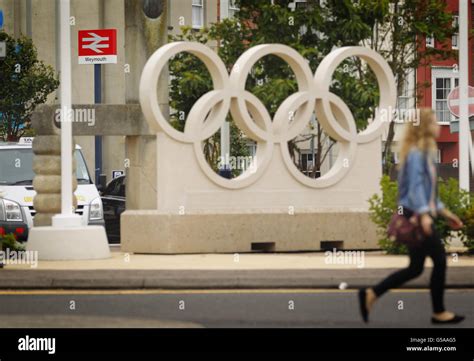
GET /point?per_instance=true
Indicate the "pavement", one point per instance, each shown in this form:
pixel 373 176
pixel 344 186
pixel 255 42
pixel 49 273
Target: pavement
pixel 227 271
pixel 275 308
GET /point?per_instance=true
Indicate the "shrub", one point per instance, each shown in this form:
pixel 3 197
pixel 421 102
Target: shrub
pixel 9 241
pixel 468 239
pixel 382 206
pixel 457 201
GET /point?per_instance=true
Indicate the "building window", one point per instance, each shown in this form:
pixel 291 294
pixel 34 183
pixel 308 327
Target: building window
pixel 443 86
pixel 301 4
pixel 396 157
pixel 455 37
pixel 298 4
pixel 306 162
pixel 252 147
pixel 404 98
pixel 443 80
pixel 198 14
pixel 233 8
pixel 430 41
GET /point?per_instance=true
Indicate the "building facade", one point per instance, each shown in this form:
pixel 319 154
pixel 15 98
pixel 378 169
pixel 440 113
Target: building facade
pixel 437 78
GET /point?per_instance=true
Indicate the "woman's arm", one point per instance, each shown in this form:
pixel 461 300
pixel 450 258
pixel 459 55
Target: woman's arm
pixel 453 220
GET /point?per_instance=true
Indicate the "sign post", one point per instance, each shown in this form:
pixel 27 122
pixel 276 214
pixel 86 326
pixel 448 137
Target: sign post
pixel 97 47
pixel 454 107
pixel 3 44
pixel 464 129
pixel 98 138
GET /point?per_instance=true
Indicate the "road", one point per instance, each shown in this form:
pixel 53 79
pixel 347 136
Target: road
pixel 221 308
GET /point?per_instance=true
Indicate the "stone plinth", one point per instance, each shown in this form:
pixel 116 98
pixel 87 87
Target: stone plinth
pixel 154 232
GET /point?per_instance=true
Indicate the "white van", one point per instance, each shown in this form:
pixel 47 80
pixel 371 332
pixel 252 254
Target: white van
pixel 16 190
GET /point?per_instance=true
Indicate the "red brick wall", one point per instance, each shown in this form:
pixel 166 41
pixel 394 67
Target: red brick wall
pixel 447 142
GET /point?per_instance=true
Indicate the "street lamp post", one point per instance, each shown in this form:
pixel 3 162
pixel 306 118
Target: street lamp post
pixel 67 216
pixel 464 129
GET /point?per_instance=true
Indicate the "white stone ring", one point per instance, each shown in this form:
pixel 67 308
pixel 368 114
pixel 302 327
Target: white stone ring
pixel 209 113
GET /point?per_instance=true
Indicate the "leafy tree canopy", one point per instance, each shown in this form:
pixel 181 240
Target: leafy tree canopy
pixel 394 28
pixel 25 83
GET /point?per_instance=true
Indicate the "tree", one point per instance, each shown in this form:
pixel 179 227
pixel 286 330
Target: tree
pixel 313 30
pixel 392 28
pixel 271 79
pixel 190 80
pixel 399 28
pixel 26 82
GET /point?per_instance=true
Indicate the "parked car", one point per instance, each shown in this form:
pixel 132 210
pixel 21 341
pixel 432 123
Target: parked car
pixel 113 200
pixel 16 190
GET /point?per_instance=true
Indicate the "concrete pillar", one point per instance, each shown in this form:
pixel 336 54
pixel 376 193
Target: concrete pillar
pixel 44 35
pixel 143 36
pixel 17 19
pixel 47 180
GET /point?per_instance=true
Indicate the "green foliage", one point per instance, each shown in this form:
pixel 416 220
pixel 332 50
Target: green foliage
pixel 190 79
pixel 382 206
pixel 457 201
pixel 26 82
pixel 271 79
pixel 393 28
pixel 313 31
pixel 8 241
pixel 468 220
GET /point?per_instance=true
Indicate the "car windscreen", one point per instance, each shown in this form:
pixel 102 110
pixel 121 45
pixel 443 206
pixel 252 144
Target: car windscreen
pixel 16 167
pixel 82 173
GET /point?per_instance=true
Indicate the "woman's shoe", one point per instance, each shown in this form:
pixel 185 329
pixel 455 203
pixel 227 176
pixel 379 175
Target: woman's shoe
pixel 363 304
pixel 455 319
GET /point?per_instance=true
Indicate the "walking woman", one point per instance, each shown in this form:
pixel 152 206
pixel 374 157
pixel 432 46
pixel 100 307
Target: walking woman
pixel 418 199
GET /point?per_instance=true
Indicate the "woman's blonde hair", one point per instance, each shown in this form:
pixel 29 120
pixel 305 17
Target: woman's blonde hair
pixel 418 134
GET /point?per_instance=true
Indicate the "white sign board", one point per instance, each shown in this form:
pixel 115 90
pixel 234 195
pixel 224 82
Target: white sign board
pixel 117 173
pixel 453 101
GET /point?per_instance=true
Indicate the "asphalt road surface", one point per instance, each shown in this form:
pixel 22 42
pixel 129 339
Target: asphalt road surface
pixel 222 308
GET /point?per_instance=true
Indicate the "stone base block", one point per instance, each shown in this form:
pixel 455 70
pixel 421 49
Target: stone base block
pixel 68 243
pixel 149 231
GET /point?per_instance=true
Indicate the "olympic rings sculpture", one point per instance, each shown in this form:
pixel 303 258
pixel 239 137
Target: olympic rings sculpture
pixel 250 115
